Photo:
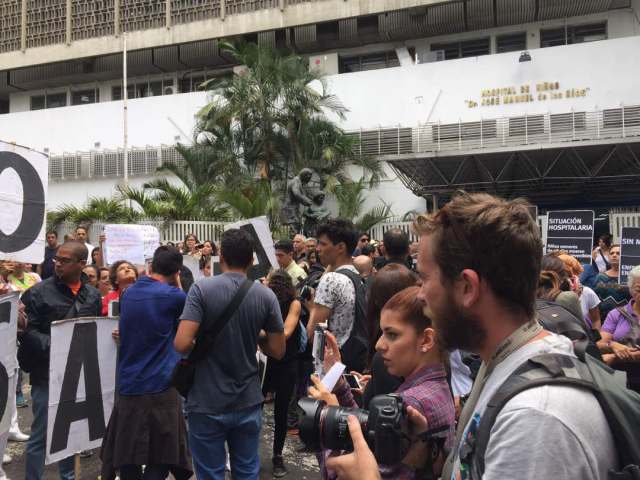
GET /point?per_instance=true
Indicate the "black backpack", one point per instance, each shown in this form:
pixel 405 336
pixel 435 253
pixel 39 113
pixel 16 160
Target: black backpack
pixel 355 350
pixel 557 319
pixel 620 405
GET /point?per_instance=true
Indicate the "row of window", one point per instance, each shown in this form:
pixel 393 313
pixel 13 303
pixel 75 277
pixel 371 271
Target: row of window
pixel 517 42
pixel 511 42
pixel 136 89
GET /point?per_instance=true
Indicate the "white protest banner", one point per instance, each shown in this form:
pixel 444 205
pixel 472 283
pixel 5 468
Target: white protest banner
pixel 82 380
pixel 151 239
pixel 193 264
pixel 629 252
pixel 24 179
pixel 265 252
pixel 124 242
pixel 8 364
pixel 572 231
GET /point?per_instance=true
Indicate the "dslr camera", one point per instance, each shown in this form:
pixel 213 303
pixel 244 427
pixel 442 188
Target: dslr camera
pixel 385 427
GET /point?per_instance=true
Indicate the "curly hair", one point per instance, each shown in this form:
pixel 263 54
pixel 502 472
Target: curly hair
pixel 113 272
pixel 281 284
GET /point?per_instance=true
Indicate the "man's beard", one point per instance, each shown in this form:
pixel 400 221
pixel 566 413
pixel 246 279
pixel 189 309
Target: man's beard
pixel 457 329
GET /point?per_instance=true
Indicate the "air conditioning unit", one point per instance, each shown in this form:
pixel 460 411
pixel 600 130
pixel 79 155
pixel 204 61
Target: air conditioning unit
pixel 433 56
pixel 325 63
pixel 169 90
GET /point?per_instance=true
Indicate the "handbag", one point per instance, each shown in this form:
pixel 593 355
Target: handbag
pixel 184 372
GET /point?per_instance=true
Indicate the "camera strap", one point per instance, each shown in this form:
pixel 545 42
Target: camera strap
pixel 513 342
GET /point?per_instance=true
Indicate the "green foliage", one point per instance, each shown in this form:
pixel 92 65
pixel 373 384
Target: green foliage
pixel 350 198
pixel 98 209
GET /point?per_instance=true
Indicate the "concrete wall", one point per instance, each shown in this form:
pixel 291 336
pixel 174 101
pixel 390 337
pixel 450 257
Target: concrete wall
pixel 397 96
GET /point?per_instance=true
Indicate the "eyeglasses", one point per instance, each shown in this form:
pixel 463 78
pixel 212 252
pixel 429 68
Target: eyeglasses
pixel 63 260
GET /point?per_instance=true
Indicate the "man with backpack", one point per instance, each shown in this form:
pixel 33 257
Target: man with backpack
pixel 535 410
pixel 340 297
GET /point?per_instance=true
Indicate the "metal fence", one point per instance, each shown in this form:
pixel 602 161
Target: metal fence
pixel 619 220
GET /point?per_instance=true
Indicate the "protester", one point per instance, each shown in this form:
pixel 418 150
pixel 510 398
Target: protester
pixel 589 301
pixel 621 334
pixel 122 274
pixel 189 244
pixel 104 281
pixel 224 403
pixel 46 268
pixel 284 256
pixel 299 248
pixel 147 427
pixel 310 245
pixel 204 265
pixel 601 254
pixel 18 279
pixel 387 282
pixel 82 236
pixel 410 351
pixel 281 375
pixel 363 241
pixel 96 257
pixel 335 299
pixel 396 246
pixel 92 272
pixel 364 266
pixel 209 249
pixel 555 285
pixel 65 295
pixel 612 294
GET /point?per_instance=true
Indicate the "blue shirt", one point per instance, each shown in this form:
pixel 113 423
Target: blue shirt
pixel 149 312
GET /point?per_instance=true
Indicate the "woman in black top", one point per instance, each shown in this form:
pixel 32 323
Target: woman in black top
pixel 281 375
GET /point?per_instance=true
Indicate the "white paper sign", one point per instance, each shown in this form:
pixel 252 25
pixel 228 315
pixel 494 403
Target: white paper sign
pixel 265 252
pixel 151 238
pixel 82 379
pixel 124 242
pixel 24 178
pixel 193 264
pixel 8 364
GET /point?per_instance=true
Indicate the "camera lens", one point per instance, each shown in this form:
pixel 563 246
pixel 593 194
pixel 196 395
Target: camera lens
pixel 309 421
pixel 334 429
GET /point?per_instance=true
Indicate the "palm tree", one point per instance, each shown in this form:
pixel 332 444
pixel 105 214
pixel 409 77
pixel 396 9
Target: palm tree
pixel 350 197
pixel 271 118
pixel 98 209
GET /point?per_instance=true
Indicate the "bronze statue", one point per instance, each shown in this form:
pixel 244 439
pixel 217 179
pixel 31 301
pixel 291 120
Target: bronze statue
pixel 295 197
pixel 315 214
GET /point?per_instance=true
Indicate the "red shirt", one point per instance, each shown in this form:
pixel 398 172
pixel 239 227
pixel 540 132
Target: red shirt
pixel 113 295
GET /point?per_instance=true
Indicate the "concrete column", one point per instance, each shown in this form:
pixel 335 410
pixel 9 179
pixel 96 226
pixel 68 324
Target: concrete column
pixel 223 9
pixel 23 27
pixel 116 17
pixel 168 13
pixel 68 22
pixel 281 2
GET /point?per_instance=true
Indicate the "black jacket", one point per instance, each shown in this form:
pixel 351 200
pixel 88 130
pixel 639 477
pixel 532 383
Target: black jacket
pixel 46 302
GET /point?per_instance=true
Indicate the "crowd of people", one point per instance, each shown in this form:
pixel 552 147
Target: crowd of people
pixel 440 323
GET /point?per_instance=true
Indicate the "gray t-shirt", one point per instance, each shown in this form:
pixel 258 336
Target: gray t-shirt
pixel 549 432
pixel 226 380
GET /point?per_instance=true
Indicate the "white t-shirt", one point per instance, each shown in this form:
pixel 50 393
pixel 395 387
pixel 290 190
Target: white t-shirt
pixel 461 382
pixel 549 432
pixel 335 291
pixel 588 300
pixel 90 248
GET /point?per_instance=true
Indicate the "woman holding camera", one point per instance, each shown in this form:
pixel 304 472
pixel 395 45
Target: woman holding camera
pixel 408 348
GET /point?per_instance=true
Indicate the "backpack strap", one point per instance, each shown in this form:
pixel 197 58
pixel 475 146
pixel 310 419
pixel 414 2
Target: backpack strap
pixel 546 369
pixel 359 326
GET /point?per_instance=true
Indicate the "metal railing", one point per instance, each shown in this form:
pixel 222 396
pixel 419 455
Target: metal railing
pixel 619 220
pixel 503 132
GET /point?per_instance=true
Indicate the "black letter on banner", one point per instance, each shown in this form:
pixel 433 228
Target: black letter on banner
pixel 4 390
pixel 83 352
pixel 264 265
pixel 5 312
pixel 32 205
